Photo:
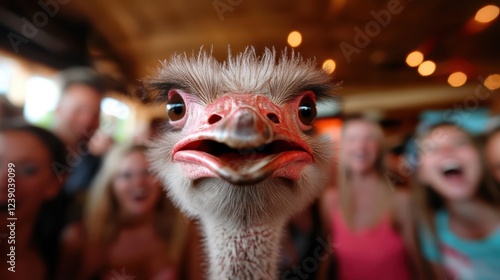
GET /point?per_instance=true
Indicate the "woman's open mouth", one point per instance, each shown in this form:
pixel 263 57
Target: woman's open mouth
pixel 453 172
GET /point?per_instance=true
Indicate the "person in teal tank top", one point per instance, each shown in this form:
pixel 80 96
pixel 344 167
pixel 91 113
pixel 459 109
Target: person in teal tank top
pixel 460 207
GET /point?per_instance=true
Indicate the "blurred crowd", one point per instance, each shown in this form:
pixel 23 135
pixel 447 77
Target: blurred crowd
pixel 88 208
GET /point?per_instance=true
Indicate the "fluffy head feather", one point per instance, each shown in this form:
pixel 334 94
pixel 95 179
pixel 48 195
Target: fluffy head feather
pixel 278 78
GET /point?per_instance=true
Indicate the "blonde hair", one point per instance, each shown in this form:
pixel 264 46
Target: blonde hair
pixel 101 219
pixel 346 196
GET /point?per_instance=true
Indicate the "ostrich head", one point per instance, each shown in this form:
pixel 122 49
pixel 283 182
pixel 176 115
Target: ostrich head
pixel 241 150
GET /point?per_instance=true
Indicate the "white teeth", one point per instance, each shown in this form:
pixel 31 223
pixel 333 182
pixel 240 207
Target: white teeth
pixel 450 166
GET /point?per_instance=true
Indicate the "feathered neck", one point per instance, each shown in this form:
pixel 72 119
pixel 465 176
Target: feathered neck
pixel 243 252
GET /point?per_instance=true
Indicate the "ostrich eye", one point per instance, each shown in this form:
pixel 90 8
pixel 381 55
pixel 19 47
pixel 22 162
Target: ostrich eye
pixel 176 108
pixel 307 110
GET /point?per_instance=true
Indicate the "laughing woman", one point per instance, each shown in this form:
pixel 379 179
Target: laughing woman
pixel 459 205
pixel 128 225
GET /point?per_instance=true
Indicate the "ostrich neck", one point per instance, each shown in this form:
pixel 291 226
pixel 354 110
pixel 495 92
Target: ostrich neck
pixel 243 252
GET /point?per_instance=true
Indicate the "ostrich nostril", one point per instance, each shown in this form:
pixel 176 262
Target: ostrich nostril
pixel 214 118
pixel 273 117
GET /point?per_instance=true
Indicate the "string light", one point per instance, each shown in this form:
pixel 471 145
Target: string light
pixel 492 82
pixel 294 39
pixel 487 14
pixel 414 59
pixel 426 68
pixel 457 79
pixel 329 65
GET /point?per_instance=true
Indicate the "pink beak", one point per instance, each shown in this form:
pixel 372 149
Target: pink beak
pixel 244 139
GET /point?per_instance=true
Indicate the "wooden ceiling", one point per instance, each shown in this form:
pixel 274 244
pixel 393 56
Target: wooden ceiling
pixel 126 38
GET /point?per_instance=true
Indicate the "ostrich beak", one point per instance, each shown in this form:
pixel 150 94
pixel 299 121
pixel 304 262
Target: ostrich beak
pixel 245 139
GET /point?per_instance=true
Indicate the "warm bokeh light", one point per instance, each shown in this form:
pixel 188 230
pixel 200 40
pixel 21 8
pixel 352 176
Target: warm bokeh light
pixel 457 79
pixel 42 95
pixel 487 14
pixel 414 59
pixel 114 107
pixel 426 68
pixel 294 39
pixel 492 82
pixel 329 65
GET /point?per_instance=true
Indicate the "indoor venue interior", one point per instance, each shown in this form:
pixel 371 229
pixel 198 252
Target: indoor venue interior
pixel 237 139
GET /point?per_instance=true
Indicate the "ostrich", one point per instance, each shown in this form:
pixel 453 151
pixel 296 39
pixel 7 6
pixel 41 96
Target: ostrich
pixel 241 154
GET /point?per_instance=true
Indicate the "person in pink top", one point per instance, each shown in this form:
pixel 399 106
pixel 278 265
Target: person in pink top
pixel 372 232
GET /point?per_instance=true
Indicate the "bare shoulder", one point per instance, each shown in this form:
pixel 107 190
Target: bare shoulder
pixel 403 199
pixel 72 248
pixel 73 236
pixel 403 207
